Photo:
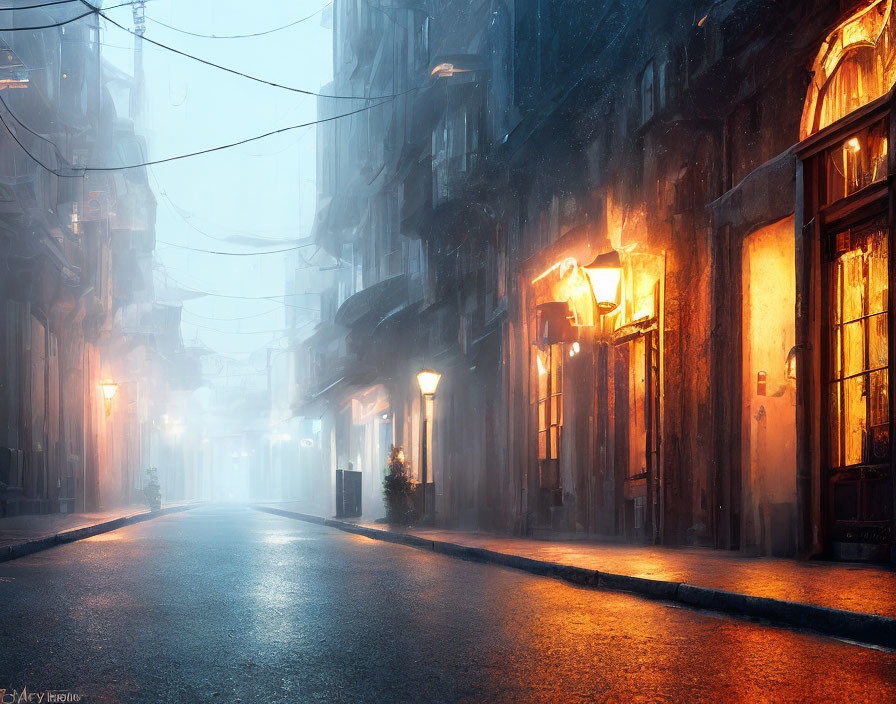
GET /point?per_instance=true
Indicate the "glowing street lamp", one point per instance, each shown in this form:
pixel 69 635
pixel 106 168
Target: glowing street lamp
pixel 109 390
pixel 428 380
pixel 605 277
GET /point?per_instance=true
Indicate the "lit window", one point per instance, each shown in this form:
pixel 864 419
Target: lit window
pixel 855 65
pixel 858 161
pixel 549 365
pixel 859 351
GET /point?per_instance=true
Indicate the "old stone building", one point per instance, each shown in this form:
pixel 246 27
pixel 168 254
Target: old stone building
pixel 82 340
pixel 646 246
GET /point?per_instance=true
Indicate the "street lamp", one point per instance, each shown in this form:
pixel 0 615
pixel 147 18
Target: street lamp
pixel 605 277
pixel 428 381
pixel 109 390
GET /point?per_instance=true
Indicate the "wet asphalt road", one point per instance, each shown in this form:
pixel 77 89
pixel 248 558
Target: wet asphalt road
pixel 226 604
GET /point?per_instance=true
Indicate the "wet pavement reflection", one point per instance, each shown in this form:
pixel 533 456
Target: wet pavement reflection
pixel 229 604
pixel 852 587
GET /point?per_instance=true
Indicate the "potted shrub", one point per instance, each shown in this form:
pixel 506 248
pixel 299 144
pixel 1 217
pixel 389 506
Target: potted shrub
pixel 151 490
pixel 398 489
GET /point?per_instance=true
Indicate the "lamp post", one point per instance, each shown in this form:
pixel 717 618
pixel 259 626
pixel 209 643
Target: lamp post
pixel 428 380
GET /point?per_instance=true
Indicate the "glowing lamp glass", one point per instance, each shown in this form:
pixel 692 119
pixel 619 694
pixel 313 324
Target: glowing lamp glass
pixel 109 390
pixel 428 381
pixel 605 286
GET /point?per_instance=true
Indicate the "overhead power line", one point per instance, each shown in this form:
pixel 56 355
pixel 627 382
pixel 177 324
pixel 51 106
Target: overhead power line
pixel 43 26
pixel 273 299
pixel 43 4
pixel 30 131
pixel 234 71
pixel 234 332
pixel 234 254
pixel 80 171
pixel 276 309
pixel 236 36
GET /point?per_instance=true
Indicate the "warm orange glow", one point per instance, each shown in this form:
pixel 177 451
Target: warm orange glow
pixel 447 70
pixel 568 262
pixel 109 390
pixel 428 381
pixel 605 277
pixel 539 361
pixel 855 65
pixel 605 285
pixel 768 418
pixel 857 162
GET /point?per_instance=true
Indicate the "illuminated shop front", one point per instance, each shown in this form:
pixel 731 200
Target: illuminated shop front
pixel 844 389
pixel 597 362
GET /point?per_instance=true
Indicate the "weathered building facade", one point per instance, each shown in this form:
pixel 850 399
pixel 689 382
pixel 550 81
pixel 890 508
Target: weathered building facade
pixel 647 246
pixel 81 338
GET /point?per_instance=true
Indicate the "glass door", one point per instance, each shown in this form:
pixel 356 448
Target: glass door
pixel 860 473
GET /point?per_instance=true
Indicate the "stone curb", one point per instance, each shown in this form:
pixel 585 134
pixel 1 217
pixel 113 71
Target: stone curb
pixel 860 627
pixel 26 547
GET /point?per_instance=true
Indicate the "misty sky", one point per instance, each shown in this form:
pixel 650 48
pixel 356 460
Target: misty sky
pixel 265 188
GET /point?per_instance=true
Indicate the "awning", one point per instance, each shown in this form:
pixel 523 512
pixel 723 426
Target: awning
pixel 325 332
pixel 374 302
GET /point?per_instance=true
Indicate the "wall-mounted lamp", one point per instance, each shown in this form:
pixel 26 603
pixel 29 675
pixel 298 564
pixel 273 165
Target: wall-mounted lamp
pixel 109 390
pixel 605 277
pixel 447 70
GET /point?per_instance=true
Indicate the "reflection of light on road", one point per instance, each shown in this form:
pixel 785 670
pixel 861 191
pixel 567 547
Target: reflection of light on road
pixel 281 538
pixel 106 537
pixel 354 537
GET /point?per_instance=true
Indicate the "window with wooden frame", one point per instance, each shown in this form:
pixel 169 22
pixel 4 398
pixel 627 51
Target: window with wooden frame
pixel 858 162
pixel 550 400
pixel 859 349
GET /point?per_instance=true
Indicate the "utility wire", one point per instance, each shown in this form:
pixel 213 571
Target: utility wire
pixel 82 170
pixel 240 73
pixel 30 131
pixel 274 299
pixel 227 320
pixel 177 211
pixel 236 36
pixel 24 149
pixel 234 332
pixel 43 4
pixel 234 254
pixel 44 26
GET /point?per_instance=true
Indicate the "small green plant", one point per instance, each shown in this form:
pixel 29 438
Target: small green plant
pixel 151 490
pixel 398 489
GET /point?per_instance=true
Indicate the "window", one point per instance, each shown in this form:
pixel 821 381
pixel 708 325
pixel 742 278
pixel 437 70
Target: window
pixel 858 162
pixel 855 65
pixel 859 349
pixel 661 84
pixel 550 400
pixel 647 94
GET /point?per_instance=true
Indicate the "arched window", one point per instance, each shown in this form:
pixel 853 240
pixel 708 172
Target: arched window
pixel 855 65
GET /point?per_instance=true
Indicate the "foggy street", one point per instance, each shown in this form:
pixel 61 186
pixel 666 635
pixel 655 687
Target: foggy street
pixel 447 350
pixel 229 604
